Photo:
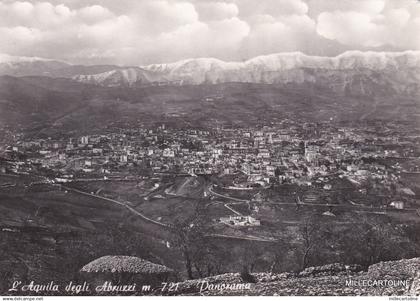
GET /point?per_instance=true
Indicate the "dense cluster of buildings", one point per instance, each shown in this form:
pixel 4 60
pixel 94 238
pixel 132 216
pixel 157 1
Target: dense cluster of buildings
pixel 287 152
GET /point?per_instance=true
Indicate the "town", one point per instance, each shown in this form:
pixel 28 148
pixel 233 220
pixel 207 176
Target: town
pixel 370 157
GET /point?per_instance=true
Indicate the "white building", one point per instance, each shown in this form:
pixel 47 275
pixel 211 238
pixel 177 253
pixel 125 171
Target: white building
pixel 240 221
pixel 84 140
pixel 397 204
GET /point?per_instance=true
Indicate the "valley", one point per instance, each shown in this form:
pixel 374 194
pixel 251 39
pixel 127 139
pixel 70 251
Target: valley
pixel 208 177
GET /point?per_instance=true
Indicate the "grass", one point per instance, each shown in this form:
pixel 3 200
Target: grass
pixel 97 226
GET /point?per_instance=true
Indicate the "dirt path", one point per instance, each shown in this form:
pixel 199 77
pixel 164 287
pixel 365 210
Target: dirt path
pixel 120 204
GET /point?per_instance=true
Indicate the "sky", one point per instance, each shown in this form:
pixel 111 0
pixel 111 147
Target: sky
pixel 139 32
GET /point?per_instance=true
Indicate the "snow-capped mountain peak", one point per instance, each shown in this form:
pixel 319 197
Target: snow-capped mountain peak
pixel 382 71
pixel 7 58
pixel 22 65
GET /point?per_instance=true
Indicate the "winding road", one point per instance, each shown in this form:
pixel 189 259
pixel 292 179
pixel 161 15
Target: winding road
pixel 134 211
pixel 355 208
pixel 137 213
pixel 166 226
pixel 210 189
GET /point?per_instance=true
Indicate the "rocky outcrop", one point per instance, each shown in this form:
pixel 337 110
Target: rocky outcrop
pixel 330 270
pixel 385 278
pixel 124 264
pixel 415 286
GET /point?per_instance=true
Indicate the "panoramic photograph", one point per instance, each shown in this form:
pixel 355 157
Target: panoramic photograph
pixel 209 148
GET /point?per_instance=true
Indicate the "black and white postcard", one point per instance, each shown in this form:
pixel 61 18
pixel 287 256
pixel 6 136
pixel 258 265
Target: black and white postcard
pixel 209 148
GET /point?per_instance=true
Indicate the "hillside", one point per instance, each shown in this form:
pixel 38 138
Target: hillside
pixel 47 105
pixel 351 73
pixel 318 281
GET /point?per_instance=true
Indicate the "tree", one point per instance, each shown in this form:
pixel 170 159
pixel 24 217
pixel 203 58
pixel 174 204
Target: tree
pixel 187 236
pixel 279 253
pixel 372 240
pixel 209 259
pixel 310 236
pixel 251 255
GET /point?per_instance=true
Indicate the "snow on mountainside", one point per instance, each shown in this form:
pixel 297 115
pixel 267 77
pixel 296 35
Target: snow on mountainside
pixel 294 60
pixel 258 69
pixel 6 58
pixel 35 66
pixel 126 76
pixel 354 71
pixel 23 66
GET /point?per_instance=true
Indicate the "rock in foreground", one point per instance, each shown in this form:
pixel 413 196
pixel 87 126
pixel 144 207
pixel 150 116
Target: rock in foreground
pixel 385 278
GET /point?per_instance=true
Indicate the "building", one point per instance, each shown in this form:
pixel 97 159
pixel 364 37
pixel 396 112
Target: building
pixel 84 140
pixel 240 221
pixel 167 152
pixel 397 204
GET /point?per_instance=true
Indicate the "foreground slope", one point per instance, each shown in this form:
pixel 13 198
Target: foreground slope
pixel 400 277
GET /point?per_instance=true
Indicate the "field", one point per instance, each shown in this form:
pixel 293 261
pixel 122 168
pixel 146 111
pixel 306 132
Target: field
pixel 280 215
pixel 176 199
pixel 61 228
pixel 55 232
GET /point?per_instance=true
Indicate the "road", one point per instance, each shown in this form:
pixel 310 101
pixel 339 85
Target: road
pixel 355 208
pixel 233 210
pixel 210 189
pixel 166 226
pixel 249 238
pixel 45 180
pixel 134 211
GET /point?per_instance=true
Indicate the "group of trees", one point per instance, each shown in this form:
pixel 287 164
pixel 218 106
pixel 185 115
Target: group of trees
pixel 194 254
pixel 365 241
pixel 202 257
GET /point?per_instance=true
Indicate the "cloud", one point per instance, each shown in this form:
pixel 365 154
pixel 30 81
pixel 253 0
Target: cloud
pixel 363 6
pixel 376 23
pixel 161 16
pixel 217 10
pixel 271 7
pixel 153 31
pixel 288 33
pixel 350 28
pixel 91 14
pixel 198 39
pixel 24 36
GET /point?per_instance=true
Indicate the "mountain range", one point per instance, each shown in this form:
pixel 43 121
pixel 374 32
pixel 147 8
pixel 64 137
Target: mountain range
pixel 354 72
pixel 47 97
